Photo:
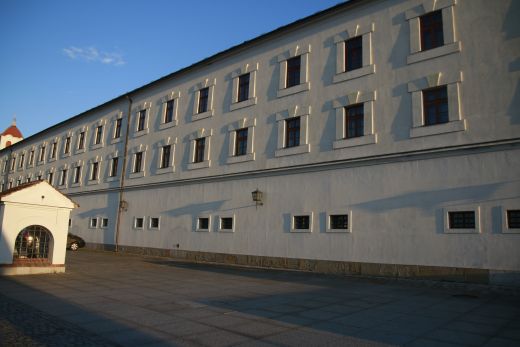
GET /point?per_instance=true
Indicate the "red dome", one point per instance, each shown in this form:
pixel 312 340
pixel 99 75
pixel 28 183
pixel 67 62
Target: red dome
pixel 13 131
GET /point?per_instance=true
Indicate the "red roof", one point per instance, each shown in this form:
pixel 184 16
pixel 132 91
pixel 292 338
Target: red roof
pixel 13 131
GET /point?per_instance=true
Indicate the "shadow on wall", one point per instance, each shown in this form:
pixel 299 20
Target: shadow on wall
pixel 510 27
pixel 195 209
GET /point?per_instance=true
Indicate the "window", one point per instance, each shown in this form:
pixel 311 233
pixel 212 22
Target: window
pixel 31 157
pixel 94 171
pixel 113 167
pixel 293 72
pixel 138 223
pixel 241 142
pixel 432 35
pixel 42 153
pixel 292 132
pixel 66 148
pixel 354 53
pixel 141 120
pixel 50 177
pixel 104 223
pixel 513 219
pixel 77 175
pixel 435 105
pixel 301 222
pixel 203 100
pixel 63 178
pixel 168 114
pixel 338 221
pixel 22 159
pixel 354 121
pixel 138 161
pixel 202 223
pixel 243 87
pixel 54 147
pixel 154 223
pixel 226 223
pixel 81 141
pixel 462 220
pixel 13 163
pixel 99 135
pixel 199 150
pixel 117 128
pixel 165 156
pixel 93 223
pixel 18 182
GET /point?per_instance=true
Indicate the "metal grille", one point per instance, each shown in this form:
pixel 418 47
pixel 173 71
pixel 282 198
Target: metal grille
pixel 32 243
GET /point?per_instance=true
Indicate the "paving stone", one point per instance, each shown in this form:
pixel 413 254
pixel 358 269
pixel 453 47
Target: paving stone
pixel 457 337
pixel 257 329
pixel 217 338
pixel 501 342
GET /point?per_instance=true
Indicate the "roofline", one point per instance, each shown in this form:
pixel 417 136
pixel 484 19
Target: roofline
pixel 347 4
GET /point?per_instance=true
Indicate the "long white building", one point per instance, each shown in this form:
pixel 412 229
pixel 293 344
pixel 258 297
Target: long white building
pixel 381 136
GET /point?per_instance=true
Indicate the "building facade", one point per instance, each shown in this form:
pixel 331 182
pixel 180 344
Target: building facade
pixel 382 137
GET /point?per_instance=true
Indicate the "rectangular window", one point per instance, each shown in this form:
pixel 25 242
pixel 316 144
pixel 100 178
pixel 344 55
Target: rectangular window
pixel 31 157
pixel 93 223
pixel 203 223
pixel 154 222
pixel 203 100
pixel 94 172
pixel 117 128
pixel 435 105
pixel 18 182
pixel 53 150
pixel 354 121
pixel 138 223
pixel 77 172
pixel 168 115
pixel 292 132
pixel 50 177
pixel 63 178
pixel 226 223
pixel 22 159
pixel 138 162
pixel 99 135
pixel 28 179
pixel 339 221
pixel 513 219
pixel 462 219
pixel 42 153
pixel 165 156
pixel 432 34
pixel 301 222
pixel 199 150
pixel 141 120
pixel 81 141
pixel 13 162
pixel 104 223
pixel 243 87
pixel 113 168
pixel 66 148
pixel 354 53
pixel 241 142
pixel 293 72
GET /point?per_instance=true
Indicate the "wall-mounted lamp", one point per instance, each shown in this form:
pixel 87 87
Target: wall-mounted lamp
pixel 257 197
pixel 123 205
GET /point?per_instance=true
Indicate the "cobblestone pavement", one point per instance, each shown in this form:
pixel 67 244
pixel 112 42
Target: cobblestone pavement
pixel 107 299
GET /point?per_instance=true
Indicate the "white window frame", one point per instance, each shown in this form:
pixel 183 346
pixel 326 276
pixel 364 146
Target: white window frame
pixel 90 225
pixel 141 148
pixel 311 222
pixel 55 141
pixel 29 162
pixel 114 139
pixel 299 50
pixel 101 222
pixel 456 123
pixel 474 208
pixel 21 160
pixel 65 179
pixel 172 96
pixel 78 164
pixel 98 159
pixel 172 141
pixel 69 135
pixel 196 226
pixel 226 215
pixel 53 172
pixel 145 106
pixel 150 223
pixel 207 83
pixel 353 31
pixel 110 158
pixel 12 162
pixel 100 123
pixel 510 205
pixel 369 137
pixel 451 44
pixel 193 139
pixel 281 117
pixel 85 139
pixel 235 75
pixel 134 225
pixel 330 213
pixel 232 130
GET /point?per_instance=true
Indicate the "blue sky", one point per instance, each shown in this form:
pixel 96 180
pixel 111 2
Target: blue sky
pixel 60 58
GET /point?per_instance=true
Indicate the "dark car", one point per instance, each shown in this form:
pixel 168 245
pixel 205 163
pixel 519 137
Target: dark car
pixel 74 242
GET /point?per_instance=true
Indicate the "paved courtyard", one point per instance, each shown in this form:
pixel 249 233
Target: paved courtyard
pixel 108 299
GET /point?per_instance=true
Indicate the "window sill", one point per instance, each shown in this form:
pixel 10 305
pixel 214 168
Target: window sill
pixel 292 150
pixel 242 104
pixel 112 178
pixel 80 150
pixel 92 182
pixel 201 165
pixel 301 231
pixel 99 145
pixel 355 141
pixel 168 125
pixel 75 185
pixel 202 230
pixel 116 140
pixel 461 231
pixel 228 231
pixel 350 75
pixel 241 158
pixel 294 89
pixel 65 155
pixel 165 170
pixel 141 133
pixel 429 130
pixel 136 174
pixel 51 160
pixel 202 115
pixel 434 53
pixel 338 231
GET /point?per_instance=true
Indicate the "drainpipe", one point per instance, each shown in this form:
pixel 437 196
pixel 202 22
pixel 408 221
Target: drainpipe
pixel 122 205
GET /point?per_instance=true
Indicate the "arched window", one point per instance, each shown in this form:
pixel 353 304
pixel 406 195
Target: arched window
pixel 32 243
pixel 8 143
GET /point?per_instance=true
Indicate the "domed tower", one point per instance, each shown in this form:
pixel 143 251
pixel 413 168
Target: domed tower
pixel 10 136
